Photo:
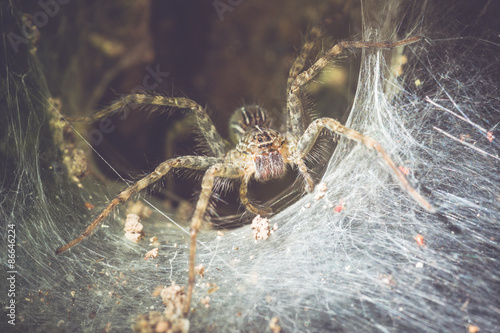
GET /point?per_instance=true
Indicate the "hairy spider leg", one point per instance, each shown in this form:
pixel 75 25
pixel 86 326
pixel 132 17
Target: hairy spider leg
pixel 309 137
pixel 215 142
pixel 312 132
pixel 244 198
pixel 304 171
pixel 295 109
pixel 217 170
pixel 189 162
pixel 294 103
pixel 318 66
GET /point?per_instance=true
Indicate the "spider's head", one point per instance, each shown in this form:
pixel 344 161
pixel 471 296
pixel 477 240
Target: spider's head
pixel 266 146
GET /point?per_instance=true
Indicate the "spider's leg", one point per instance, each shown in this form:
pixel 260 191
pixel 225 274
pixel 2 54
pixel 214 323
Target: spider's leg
pixel 295 109
pixel 207 184
pixel 305 52
pixel 305 173
pixel 244 199
pixel 294 104
pixel 307 140
pixel 307 75
pixel 380 45
pixel 191 162
pixel 133 101
pixel 317 67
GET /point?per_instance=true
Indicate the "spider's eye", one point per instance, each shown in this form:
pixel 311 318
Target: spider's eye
pixel 259 139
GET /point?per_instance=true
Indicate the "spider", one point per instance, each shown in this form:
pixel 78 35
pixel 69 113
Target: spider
pixel 259 152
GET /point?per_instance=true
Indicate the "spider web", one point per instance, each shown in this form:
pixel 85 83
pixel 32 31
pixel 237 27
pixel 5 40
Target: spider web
pixel 346 262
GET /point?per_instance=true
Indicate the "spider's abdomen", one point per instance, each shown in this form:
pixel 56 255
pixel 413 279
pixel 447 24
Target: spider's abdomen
pixel 245 118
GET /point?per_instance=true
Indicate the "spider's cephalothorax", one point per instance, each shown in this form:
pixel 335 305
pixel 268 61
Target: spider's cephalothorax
pixel 260 152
